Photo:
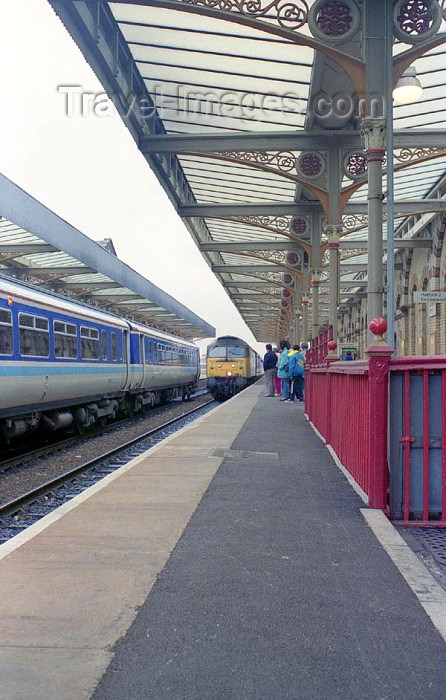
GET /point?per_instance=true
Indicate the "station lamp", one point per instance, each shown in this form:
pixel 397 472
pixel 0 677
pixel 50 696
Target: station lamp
pixel 408 88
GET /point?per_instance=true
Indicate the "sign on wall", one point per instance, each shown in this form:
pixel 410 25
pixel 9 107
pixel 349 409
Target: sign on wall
pixel 429 297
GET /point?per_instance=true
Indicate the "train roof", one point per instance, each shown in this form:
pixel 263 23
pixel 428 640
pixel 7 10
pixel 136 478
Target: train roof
pixel 32 294
pixel 160 334
pixel 228 339
pixel 27 291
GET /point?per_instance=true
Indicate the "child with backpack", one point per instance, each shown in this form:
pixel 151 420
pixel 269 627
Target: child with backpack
pixel 296 372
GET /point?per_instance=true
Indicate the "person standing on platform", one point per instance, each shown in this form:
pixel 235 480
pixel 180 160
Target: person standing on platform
pixel 277 380
pixel 269 366
pixel 296 370
pixel 282 370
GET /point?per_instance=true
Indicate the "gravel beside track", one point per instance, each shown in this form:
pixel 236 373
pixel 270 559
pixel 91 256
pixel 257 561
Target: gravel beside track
pixel 18 480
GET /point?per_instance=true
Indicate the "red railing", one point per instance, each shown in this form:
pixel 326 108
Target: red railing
pixel 337 404
pixel 348 404
pixel 319 347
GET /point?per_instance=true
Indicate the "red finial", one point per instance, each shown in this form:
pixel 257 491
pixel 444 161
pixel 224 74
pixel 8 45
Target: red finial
pixel 332 345
pixel 378 326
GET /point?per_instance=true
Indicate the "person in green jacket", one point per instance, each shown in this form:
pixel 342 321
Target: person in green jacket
pixel 282 370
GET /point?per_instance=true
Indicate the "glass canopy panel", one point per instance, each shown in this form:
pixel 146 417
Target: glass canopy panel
pixel 206 73
pixel 213 180
pixel 211 76
pixel 207 76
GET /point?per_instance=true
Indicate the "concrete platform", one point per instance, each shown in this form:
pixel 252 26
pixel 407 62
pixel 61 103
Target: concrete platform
pixel 230 561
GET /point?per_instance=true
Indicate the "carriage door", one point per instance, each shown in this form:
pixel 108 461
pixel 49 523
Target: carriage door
pixel 126 357
pixel 142 359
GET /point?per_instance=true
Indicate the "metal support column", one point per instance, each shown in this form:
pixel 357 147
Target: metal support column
pixel 315 282
pixel 305 300
pixel 316 226
pixel 374 131
pixel 333 233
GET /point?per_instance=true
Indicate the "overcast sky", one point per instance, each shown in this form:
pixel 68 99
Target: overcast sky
pixel 88 169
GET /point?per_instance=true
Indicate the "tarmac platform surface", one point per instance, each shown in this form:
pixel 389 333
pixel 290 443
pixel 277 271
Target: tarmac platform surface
pixel 233 561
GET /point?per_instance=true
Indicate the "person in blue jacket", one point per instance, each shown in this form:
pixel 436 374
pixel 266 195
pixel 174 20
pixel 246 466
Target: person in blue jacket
pixel 296 372
pixel 282 370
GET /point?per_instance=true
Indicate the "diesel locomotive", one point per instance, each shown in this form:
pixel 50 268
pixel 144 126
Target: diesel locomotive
pixel 231 365
pixel 64 363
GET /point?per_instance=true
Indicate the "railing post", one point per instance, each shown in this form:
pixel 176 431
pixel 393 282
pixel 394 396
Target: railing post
pixel 379 361
pixel 331 357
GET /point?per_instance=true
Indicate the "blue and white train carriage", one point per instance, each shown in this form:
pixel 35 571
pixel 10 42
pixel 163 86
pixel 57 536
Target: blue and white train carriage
pixel 64 363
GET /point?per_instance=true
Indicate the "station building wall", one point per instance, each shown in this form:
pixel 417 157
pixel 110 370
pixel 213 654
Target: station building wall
pixel 420 329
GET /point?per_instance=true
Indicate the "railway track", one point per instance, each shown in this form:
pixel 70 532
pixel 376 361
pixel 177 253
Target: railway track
pixel 21 512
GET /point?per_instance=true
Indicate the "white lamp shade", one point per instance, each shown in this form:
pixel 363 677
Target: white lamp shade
pixel 408 88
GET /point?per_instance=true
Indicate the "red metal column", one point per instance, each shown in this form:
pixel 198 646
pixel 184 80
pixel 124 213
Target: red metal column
pixel 379 360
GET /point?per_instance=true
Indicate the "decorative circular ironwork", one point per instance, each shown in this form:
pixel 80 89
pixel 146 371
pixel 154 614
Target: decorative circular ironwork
pixel 299 225
pixel 311 165
pixel 415 21
pixel 293 258
pixel 286 293
pixel 334 21
pixel 355 165
pixel 288 279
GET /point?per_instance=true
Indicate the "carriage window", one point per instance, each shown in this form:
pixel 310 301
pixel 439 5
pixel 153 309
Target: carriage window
pixel 65 340
pixel 104 345
pixel 34 335
pixel 89 343
pixel 6 342
pixel 114 347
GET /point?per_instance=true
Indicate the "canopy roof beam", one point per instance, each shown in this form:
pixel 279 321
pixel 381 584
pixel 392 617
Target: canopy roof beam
pixel 408 207
pixel 279 140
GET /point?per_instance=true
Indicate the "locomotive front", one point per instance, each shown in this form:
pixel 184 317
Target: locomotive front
pixel 227 367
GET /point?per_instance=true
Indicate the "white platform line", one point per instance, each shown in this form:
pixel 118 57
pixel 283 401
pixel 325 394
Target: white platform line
pixel 428 592
pixel 354 484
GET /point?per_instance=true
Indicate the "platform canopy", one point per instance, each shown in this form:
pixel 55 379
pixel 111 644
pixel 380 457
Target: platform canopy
pixel 38 246
pixel 269 124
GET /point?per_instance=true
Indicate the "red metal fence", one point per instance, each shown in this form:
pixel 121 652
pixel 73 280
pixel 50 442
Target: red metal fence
pixel 337 403
pixel 386 421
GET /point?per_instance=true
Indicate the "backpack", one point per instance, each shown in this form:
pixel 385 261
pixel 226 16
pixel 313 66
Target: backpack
pixel 300 366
